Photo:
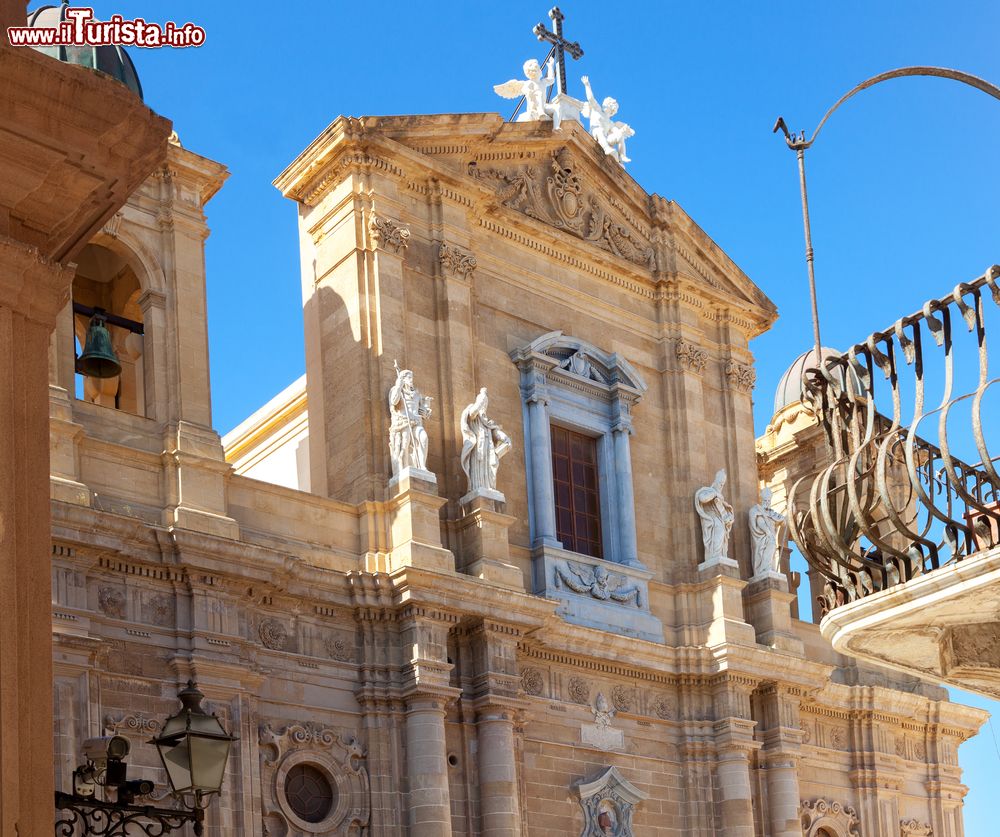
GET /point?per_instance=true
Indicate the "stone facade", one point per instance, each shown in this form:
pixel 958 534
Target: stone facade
pixel 415 652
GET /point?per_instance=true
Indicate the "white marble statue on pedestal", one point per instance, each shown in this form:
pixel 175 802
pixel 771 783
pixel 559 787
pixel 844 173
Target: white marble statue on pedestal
pixel 609 134
pixel 407 410
pixel 765 524
pixel 716 519
pixel 484 444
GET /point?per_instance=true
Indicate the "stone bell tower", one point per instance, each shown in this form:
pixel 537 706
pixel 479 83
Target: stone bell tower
pixel 143 440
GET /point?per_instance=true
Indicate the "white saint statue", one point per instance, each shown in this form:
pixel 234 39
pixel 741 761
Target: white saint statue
pixel 534 88
pixel 716 519
pixel 610 134
pixel 407 409
pixel 484 444
pixel 765 524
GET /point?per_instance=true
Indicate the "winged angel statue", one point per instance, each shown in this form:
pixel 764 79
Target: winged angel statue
pixel 597 582
pixel 535 88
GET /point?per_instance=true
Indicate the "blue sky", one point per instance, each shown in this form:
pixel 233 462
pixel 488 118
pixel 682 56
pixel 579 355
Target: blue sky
pixel 902 182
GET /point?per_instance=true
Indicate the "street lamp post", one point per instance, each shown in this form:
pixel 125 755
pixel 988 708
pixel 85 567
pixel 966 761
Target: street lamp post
pixel 799 144
pixel 194 748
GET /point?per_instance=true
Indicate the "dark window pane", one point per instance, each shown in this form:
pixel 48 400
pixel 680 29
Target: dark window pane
pixel 577 499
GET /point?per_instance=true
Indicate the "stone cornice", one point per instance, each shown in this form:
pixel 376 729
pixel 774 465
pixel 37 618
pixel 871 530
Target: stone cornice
pixel 98 142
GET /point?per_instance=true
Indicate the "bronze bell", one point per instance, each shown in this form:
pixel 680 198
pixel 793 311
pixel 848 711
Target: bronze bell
pixel 98 359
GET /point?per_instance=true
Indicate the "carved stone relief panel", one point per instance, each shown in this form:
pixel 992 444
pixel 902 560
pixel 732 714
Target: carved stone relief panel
pixel 314 780
pixel 532 681
pixel 557 194
pixel 914 828
pixel 111 602
pixel 664 707
pixel 578 690
pixel 273 634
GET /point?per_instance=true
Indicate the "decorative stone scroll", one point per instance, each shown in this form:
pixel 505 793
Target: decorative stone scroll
pixel 558 195
pixel 914 828
pixel 386 233
pixel 609 802
pixel 691 356
pixel 134 724
pixel 819 814
pixel 740 376
pixel 456 261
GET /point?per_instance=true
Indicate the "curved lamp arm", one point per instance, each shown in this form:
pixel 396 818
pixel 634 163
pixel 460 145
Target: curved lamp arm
pixel 799 144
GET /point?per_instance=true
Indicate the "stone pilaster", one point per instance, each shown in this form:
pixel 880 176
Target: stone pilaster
pixel 495 699
pixel 781 735
pixel 734 745
pixel 32 291
pixel 426 693
pixel 877 784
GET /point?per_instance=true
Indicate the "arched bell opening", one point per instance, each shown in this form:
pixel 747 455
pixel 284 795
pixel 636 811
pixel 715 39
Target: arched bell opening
pixel 108 330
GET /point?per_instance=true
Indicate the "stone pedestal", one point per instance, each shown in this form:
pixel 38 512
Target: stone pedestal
pixel 485 548
pixel 196 473
pixel 768 608
pixel 723 584
pixel 415 525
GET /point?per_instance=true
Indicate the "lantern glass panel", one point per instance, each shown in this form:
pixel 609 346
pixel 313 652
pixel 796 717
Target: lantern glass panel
pixel 176 756
pixel 208 761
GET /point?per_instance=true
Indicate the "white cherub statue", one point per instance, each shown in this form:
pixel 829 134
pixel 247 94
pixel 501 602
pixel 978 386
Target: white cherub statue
pixel 610 134
pixel 534 89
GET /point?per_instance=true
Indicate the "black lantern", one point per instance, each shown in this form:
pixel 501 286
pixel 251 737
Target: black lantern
pixel 194 748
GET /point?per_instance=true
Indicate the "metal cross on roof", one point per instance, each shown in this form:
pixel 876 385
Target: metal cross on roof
pixel 559 45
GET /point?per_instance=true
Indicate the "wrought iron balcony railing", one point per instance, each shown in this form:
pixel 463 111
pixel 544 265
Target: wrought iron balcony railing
pixel 896 500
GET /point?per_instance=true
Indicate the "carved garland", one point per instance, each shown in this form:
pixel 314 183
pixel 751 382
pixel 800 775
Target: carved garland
pixel 914 828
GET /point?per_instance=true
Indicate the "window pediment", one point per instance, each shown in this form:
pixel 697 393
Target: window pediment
pixel 579 365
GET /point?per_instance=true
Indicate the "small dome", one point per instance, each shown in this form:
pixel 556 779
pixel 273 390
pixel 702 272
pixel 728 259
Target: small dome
pixel 109 59
pixel 790 387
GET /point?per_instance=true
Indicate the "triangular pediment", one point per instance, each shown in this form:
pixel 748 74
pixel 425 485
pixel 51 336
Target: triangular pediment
pixel 559 184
